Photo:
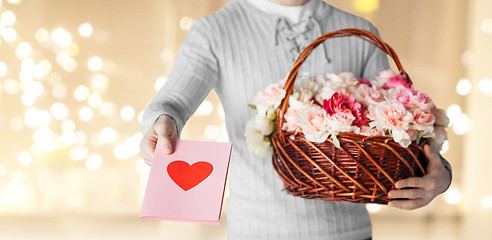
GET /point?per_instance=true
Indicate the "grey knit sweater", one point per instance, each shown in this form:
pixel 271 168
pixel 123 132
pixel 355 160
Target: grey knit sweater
pixel 237 51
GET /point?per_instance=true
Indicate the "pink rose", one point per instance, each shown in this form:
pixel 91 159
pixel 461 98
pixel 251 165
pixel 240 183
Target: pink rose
pixel 396 81
pixel 390 115
pixel 370 131
pixel 384 76
pixel 411 98
pixel 270 96
pixel 368 95
pixel 313 122
pixel 345 103
pixel 423 117
pixel 341 122
pixel 291 120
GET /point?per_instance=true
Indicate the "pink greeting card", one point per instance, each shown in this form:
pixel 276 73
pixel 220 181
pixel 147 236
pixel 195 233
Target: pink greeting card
pixel 187 185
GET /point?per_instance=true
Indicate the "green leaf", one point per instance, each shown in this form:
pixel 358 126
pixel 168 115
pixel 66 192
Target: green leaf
pixel 418 137
pixel 335 140
pixel 252 106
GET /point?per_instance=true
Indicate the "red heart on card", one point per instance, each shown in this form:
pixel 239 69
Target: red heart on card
pixel 186 176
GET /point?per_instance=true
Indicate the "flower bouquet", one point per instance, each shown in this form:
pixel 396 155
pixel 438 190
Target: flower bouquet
pixel 341 138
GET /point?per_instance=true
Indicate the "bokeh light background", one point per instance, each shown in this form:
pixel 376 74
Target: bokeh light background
pixel 75 77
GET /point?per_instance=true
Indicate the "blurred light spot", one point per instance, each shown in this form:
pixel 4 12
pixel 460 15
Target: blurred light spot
pixel 26 78
pixel 81 93
pixel 61 57
pixel 31 117
pixel 80 138
pixel 68 138
pixel 366 5
pixel 486 202
pixel 72 49
pixel 34 89
pixel 224 137
pixel 42 134
pixel 487 25
pixel 11 86
pixel 462 124
pixel 211 132
pixel 95 100
pixel 13 2
pixel 42 35
pixel 127 113
pixel 99 83
pixel 78 153
pixel 24 158
pixel 44 118
pixel 23 50
pixel 185 23
pixel 453 112
pixel 107 109
pixel 205 108
pixel 93 162
pixel 16 124
pixel 485 86
pixel 463 87
pixel 42 69
pixel 159 83
pixel 452 196
pixel 9 35
pixel 108 135
pixel 59 91
pixel 85 114
pixel 445 147
pixel 167 55
pixel 95 64
pixel 120 152
pixel 68 125
pixel 85 30
pixel 373 208
pixel 3 170
pixel 59 111
pixel 3 69
pixel 61 37
pixel 69 65
pixel 8 18
pixel 142 166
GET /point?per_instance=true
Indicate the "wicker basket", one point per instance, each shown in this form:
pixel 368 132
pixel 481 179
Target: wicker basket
pixel 363 170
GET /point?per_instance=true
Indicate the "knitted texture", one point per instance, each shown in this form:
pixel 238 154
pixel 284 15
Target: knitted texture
pixel 237 52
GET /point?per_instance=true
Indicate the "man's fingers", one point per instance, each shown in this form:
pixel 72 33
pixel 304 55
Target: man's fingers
pixel 413 182
pixel 147 148
pixel 414 193
pixel 407 204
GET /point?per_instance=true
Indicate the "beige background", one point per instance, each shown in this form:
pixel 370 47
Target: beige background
pixel 46 194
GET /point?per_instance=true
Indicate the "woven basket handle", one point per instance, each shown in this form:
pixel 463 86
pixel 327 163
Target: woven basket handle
pixel 365 35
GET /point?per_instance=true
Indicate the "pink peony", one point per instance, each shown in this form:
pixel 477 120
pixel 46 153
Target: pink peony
pixel 364 81
pixel 369 95
pixel 424 120
pixel 411 98
pixel 345 103
pixel 370 131
pixel 396 81
pixel 390 115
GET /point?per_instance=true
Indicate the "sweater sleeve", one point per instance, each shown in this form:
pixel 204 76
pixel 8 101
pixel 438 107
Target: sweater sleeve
pixel 194 74
pixel 377 59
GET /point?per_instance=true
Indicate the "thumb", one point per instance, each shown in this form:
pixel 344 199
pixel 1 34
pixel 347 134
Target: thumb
pixel 433 156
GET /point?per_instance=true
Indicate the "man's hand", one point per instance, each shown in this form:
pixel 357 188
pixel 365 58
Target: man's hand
pixel 163 130
pixel 420 191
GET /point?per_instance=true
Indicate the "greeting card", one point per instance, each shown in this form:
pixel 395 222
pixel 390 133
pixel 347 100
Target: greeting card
pixel 187 185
